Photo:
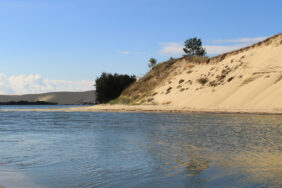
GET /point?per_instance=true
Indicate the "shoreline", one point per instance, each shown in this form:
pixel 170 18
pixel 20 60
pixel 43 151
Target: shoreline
pixel 157 109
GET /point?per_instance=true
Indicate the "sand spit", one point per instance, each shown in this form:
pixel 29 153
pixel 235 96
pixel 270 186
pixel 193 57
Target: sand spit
pixel 67 98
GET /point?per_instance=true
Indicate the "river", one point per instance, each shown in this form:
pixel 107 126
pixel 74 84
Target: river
pixel 107 149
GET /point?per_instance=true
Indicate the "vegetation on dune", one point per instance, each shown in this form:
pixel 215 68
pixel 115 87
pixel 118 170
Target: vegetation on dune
pixel 109 86
pixel 152 63
pixel 203 81
pixel 141 91
pixel 193 47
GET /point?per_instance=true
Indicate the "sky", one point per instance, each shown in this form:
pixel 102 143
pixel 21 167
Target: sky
pixel 63 45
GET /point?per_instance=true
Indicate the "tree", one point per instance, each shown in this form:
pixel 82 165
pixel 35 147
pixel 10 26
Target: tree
pixel 152 63
pixel 110 86
pixel 193 47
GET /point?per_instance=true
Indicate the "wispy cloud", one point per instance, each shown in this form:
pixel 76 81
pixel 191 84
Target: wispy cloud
pixel 171 49
pixel 216 47
pixel 124 52
pixel 34 83
pixel 241 40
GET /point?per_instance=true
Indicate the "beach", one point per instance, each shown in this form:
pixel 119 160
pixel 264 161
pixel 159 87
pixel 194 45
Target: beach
pixel 153 108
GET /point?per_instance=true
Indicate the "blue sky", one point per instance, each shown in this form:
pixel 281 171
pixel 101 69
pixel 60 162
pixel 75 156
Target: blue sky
pixel 43 42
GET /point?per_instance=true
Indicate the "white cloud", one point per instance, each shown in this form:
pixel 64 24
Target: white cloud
pixel 213 49
pixel 34 83
pixel 241 40
pixel 176 48
pixel 124 52
pixel 171 49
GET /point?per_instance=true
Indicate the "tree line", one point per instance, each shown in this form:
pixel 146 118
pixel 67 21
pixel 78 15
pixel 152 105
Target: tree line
pixel 109 86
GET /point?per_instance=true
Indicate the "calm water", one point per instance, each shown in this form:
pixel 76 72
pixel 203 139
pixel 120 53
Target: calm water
pixel 90 149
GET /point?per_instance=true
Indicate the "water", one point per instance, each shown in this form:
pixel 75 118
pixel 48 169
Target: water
pixel 95 149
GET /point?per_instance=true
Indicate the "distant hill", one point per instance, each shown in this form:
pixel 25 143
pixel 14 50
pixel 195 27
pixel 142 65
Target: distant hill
pixel 246 79
pixel 67 98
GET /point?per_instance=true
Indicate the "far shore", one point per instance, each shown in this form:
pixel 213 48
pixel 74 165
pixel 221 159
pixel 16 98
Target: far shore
pixel 158 109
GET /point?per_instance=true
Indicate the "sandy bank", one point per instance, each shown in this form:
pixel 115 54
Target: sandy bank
pixel 157 108
pixel 167 108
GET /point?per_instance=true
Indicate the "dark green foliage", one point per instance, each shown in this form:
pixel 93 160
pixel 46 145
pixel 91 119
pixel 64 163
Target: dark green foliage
pixel 152 63
pixel 193 47
pixel 109 86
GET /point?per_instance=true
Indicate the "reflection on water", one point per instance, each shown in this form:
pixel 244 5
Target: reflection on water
pixel 83 149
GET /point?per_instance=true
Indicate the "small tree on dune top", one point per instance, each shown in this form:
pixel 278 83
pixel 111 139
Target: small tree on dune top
pixel 193 47
pixel 152 63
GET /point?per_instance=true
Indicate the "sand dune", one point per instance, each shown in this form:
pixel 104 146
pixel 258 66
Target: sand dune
pixel 55 97
pixel 251 79
pixel 245 80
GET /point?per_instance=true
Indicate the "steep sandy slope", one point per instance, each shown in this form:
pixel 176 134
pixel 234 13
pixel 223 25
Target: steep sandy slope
pixel 55 97
pixel 249 78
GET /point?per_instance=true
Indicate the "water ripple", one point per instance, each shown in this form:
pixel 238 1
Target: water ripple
pixel 83 149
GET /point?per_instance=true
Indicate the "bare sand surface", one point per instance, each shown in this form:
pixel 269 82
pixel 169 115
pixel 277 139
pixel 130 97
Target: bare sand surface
pixel 167 108
pixel 248 81
pixel 156 108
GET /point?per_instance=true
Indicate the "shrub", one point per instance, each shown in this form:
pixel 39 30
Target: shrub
pixel 213 83
pixel 180 81
pixel 189 71
pixel 203 81
pixel 230 79
pixel 150 99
